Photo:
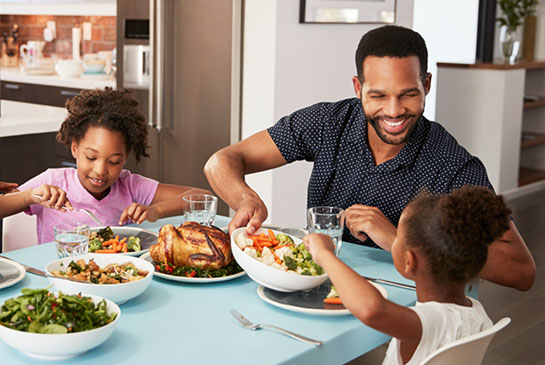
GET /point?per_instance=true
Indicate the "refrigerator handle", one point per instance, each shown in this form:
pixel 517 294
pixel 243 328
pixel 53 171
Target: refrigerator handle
pixel 156 64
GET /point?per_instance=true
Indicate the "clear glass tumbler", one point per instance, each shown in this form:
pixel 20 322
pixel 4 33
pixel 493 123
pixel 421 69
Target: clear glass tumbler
pixel 72 239
pixel 200 208
pixel 327 220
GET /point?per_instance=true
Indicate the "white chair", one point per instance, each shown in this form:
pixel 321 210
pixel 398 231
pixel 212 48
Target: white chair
pixel 19 231
pixel 468 350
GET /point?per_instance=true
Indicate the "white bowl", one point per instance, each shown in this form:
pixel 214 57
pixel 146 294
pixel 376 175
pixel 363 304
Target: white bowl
pixel 61 346
pixel 119 293
pixel 69 68
pixel 268 276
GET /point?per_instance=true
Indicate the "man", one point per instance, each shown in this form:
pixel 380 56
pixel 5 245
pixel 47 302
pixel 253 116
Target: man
pixel 371 154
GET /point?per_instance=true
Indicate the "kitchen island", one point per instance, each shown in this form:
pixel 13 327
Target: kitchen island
pixel 17 118
pixel 191 323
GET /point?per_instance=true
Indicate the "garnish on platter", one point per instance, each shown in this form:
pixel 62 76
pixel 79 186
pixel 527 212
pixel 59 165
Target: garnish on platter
pixel 193 251
pixel 105 241
pixel 280 252
pixel 332 297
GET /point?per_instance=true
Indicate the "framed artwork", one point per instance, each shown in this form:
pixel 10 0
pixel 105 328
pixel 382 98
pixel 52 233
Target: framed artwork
pixel 347 11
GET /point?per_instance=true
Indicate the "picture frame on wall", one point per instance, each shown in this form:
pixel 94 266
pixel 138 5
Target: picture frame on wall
pixel 347 11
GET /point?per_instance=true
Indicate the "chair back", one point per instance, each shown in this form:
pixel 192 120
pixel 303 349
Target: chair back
pixel 19 231
pixel 469 350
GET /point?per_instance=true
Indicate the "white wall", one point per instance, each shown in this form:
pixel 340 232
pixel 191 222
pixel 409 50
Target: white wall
pixel 450 31
pixel 288 66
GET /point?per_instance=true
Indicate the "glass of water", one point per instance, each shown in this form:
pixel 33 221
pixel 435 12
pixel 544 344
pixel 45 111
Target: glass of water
pixel 72 239
pixel 200 208
pixel 327 220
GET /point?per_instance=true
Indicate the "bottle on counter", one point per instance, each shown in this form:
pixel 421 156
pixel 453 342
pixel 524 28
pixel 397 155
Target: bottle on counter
pixel 10 47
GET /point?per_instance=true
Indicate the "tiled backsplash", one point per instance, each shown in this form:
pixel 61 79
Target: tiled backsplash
pixel 31 27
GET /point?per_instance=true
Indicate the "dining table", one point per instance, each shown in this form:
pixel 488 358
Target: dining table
pixel 190 323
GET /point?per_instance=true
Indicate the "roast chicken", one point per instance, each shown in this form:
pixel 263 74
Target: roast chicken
pixel 194 245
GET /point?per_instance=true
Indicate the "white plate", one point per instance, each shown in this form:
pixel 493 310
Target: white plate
pixel 185 279
pixel 308 301
pixel 147 238
pixel 10 273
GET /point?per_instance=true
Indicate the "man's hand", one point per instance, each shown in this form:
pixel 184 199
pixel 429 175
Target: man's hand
pixel 6 187
pixel 369 222
pixel 250 213
pixel 138 213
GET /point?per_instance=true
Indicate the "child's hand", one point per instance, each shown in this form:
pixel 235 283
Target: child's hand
pixel 6 187
pixel 50 196
pixel 318 244
pixel 138 213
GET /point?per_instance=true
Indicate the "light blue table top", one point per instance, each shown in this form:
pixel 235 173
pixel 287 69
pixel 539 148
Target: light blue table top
pixel 190 323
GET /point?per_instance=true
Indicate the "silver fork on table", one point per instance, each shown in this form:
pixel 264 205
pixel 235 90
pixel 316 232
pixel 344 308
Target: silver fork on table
pixel 88 212
pixel 249 325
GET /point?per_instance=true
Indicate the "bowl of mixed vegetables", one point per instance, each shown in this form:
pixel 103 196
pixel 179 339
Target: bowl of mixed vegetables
pixel 116 277
pixel 276 260
pixel 56 326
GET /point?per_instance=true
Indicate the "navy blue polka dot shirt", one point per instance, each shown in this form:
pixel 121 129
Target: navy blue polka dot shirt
pixel 334 137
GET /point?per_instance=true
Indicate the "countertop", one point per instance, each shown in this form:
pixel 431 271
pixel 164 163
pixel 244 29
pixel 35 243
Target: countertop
pixel 18 118
pixel 14 74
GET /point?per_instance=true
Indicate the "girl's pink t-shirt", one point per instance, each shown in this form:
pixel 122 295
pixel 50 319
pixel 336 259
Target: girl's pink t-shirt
pixel 129 188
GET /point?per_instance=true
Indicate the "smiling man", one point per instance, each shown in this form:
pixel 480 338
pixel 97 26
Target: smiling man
pixel 372 154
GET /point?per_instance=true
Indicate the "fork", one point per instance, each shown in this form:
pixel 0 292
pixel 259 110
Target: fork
pixel 88 212
pixel 249 325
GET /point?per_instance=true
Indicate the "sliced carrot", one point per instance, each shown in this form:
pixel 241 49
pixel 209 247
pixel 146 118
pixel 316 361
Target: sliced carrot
pixel 334 300
pixel 124 247
pixel 265 244
pixel 283 245
pixel 271 234
pixel 123 240
pixel 106 251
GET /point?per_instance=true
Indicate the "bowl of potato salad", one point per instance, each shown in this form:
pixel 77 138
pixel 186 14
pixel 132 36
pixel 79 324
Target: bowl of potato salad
pixel 276 260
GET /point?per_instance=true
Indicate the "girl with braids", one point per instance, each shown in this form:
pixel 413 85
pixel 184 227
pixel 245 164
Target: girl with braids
pixel 441 243
pixel 102 129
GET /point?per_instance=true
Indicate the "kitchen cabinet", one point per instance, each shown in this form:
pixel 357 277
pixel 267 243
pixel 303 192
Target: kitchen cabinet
pixel 59 7
pixel 38 94
pixel 497 112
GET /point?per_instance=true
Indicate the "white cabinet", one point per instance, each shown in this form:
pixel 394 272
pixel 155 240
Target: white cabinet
pixel 59 7
pixel 483 106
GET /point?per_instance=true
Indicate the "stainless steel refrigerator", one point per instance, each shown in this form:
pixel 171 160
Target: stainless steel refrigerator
pixel 182 59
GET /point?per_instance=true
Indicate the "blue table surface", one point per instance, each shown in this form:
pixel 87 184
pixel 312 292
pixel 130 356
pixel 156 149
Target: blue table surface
pixel 190 323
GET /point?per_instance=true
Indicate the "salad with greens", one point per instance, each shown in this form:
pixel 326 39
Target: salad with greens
pixel 105 241
pixel 280 252
pixel 40 311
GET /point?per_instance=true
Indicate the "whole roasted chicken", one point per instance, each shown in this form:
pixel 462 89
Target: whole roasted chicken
pixel 194 245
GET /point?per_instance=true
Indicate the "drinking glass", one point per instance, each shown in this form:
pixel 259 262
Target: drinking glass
pixel 72 239
pixel 200 208
pixel 327 220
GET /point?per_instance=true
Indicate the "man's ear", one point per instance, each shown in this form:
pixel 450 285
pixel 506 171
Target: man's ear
pixel 74 148
pixel 357 86
pixel 427 84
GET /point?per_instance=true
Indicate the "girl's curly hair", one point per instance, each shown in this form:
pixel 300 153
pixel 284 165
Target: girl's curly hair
pixel 453 231
pixel 112 109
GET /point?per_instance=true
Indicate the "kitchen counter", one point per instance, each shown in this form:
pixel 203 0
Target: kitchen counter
pixel 18 118
pixel 14 74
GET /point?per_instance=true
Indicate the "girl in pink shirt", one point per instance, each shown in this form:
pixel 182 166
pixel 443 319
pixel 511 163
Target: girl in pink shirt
pixel 102 129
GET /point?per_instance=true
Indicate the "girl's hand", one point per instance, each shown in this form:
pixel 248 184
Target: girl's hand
pixel 50 196
pixel 6 187
pixel 318 244
pixel 138 213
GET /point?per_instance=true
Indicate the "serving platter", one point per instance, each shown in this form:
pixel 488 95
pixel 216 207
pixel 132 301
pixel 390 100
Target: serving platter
pixel 147 238
pixel 185 279
pixel 308 301
pixel 11 273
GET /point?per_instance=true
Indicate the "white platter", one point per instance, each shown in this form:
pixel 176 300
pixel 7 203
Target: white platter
pixel 11 273
pixel 185 279
pixel 308 301
pixel 147 238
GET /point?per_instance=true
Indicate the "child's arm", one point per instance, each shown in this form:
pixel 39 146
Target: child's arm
pixel 167 202
pixel 360 297
pixel 6 187
pixel 51 197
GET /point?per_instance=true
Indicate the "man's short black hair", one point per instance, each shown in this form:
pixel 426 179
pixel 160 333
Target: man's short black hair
pixel 392 41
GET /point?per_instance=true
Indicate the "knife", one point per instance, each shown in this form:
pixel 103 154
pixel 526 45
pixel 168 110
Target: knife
pixel 392 283
pixel 28 268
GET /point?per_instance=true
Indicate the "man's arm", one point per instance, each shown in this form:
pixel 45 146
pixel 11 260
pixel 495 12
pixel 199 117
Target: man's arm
pixel 225 172
pixel 509 261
